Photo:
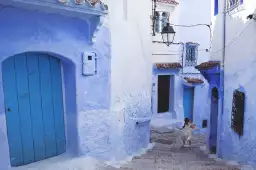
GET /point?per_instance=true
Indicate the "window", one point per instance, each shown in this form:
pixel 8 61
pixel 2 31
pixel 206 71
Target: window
pixel 237 118
pixel 234 3
pixel 191 54
pixel 164 19
pixel 216 7
pixel 204 124
pixel 157 22
pixel 161 19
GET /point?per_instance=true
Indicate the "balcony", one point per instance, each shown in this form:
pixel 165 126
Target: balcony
pixel 65 7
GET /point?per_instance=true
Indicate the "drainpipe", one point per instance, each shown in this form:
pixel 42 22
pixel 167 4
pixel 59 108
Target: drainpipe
pixel 223 53
pixel 223 65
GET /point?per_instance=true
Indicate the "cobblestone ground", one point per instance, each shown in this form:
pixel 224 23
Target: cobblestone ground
pixel 168 154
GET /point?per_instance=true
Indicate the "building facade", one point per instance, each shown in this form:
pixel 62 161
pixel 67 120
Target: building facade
pixel 64 89
pixel 178 88
pixel 231 76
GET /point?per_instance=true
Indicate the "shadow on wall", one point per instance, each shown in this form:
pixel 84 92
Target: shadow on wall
pixel 70 103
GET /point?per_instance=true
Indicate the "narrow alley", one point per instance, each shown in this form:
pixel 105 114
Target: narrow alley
pixel 108 84
pixel 168 154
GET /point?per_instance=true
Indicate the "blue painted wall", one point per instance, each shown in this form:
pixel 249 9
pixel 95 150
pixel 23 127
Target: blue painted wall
pixel 87 99
pixel 214 77
pixel 201 95
pixel 176 90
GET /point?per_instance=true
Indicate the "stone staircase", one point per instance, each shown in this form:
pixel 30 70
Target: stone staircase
pixel 168 154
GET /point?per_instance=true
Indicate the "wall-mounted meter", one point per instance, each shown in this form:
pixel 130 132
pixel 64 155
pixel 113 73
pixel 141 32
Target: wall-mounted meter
pixel 89 63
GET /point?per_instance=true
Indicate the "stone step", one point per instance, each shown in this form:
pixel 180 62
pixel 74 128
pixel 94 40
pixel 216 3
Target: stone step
pixel 168 154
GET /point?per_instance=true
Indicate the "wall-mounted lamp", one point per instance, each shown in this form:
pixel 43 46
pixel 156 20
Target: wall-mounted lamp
pixel 252 16
pixel 168 34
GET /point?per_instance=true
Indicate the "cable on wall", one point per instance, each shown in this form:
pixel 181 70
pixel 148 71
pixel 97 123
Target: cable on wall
pixel 227 45
pixel 196 25
pixel 234 39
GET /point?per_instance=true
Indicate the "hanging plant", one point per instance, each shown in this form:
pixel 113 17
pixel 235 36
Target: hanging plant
pixel 93 2
pixel 79 2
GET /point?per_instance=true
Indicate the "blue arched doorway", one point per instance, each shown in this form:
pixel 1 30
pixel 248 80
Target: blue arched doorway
pixel 214 120
pixel 33 98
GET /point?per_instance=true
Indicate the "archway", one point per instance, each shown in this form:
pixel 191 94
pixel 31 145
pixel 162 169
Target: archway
pixel 35 106
pixel 214 120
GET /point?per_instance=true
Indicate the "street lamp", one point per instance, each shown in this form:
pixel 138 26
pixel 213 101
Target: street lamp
pixel 168 34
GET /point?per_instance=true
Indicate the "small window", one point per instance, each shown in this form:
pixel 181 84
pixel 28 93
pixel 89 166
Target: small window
pixel 232 4
pixel 215 94
pixel 161 19
pixel 89 57
pixel 164 19
pixel 238 106
pixel 191 54
pixel 216 7
pixel 204 124
pixel 157 22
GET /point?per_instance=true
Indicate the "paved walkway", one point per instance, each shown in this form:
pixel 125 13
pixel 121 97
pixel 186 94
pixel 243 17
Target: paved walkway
pixel 168 154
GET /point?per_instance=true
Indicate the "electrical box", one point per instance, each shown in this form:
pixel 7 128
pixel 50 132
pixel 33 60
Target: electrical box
pixel 89 63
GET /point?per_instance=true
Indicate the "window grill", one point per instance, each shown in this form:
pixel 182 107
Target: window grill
pixel 161 19
pixel 191 54
pixel 237 118
pixel 232 4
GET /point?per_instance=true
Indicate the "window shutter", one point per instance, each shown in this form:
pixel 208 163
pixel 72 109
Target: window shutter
pixel 238 106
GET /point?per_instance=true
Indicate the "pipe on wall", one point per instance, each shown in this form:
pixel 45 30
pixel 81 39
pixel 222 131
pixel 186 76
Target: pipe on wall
pixel 222 82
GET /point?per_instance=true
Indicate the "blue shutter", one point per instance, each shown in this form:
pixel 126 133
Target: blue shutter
pixel 241 1
pixel 216 7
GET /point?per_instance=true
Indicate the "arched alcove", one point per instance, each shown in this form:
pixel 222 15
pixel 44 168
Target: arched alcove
pixel 40 106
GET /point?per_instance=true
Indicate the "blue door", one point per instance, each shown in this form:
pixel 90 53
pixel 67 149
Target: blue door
pixel 34 107
pixel 214 121
pixel 188 102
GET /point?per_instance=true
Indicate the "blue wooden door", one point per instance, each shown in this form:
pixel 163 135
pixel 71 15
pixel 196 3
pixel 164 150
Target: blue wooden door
pixel 188 102
pixel 34 107
pixel 214 121
pixel 213 125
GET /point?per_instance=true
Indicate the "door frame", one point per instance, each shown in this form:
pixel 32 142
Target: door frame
pixel 169 95
pixel 155 92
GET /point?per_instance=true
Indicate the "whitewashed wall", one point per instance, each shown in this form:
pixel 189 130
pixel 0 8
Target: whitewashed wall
pixel 192 13
pixel 239 73
pixel 131 64
pixel 188 13
pixel 161 52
